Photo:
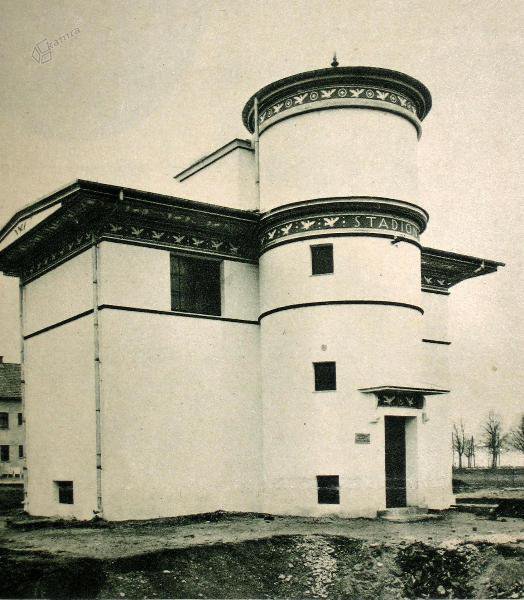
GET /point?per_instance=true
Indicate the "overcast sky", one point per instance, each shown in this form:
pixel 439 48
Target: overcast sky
pixel 143 88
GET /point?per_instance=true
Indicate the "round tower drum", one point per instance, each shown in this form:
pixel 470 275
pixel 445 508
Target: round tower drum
pixel 340 293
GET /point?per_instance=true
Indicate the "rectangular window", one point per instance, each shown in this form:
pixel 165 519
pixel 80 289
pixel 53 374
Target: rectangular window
pixel 20 419
pixel 328 489
pixel 325 376
pixel 195 285
pixel 4 453
pixel 20 451
pixel 4 420
pixel 65 492
pixel 322 259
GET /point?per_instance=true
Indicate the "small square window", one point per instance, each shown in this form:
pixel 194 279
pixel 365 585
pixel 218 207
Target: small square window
pixel 20 451
pixel 20 419
pixel 4 453
pixel 322 259
pixel 65 492
pixel 328 489
pixel 325 376
pixel 4 420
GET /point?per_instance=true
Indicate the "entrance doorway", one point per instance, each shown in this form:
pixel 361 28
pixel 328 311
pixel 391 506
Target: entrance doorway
pixel 395 447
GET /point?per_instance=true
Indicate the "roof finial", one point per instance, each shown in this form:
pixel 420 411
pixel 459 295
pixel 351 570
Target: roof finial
pixel 334 62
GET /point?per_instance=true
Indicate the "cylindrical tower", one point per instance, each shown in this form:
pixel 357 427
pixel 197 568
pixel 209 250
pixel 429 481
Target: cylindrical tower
pixel 340 286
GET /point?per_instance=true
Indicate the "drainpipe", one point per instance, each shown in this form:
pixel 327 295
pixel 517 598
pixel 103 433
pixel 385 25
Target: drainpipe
pixel 22 386
pixel 96 337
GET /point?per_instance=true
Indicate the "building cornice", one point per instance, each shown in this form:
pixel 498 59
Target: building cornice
pixel 360 87
pixel 52 230
pixel 90 212
pixel 442 269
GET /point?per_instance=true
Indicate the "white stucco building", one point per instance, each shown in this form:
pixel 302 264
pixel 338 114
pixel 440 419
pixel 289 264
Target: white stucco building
pixel 278 343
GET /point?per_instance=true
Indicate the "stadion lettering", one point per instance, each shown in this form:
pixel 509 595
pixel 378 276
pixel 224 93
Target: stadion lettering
pixel 389 223
pixel 346 221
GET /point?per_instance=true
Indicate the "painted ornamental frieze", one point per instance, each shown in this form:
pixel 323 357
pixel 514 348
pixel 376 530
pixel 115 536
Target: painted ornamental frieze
pixel 340 222
pixel 400 399
pixel 339 93
pixel 187 238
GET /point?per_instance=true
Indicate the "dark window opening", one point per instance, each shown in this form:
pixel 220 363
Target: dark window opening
pixel 195 285
pixel 325 376
pixel 65 492
pixel 20 451
pixel 20 419
pixel 4 453
pixel 322 259
pixel 328 489
pixel 4 420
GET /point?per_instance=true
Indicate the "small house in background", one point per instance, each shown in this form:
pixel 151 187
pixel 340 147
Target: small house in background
pixel 11 420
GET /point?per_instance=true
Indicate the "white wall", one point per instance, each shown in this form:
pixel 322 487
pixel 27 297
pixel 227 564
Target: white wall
pixel 339 152
pixel 139 277
pixel 181 422
pixel 435 456
pixel 308 433
pixel 435 357
pixel 60 418
pixel 366 268
pixel 134 276
pixel 240 297
pixel 59 294
pixel 229 181
pixel 436 316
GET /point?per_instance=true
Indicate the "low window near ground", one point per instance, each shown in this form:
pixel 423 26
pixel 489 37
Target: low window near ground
pixel 4 420
pixel 65 492
pixel 20 451
pixel 4 453
pixel 328 489
pixel 325 376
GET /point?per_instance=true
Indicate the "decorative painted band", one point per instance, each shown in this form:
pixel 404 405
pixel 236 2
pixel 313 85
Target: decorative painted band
pixel 191 239
pixel 400 399
pixel 388 236
pixel 341 302
pixel 400 227
pixel 274 114
pixel 336 92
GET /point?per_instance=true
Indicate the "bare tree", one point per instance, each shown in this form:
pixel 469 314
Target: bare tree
pixel 516 436
pixel 493 439
pixel 458 440
pixel 469 451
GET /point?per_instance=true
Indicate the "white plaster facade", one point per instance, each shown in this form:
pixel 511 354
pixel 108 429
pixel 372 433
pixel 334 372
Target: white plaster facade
pixel 153 411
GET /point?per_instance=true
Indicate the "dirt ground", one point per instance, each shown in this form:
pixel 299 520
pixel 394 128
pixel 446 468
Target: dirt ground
pixel 252 556
pixel 132 538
